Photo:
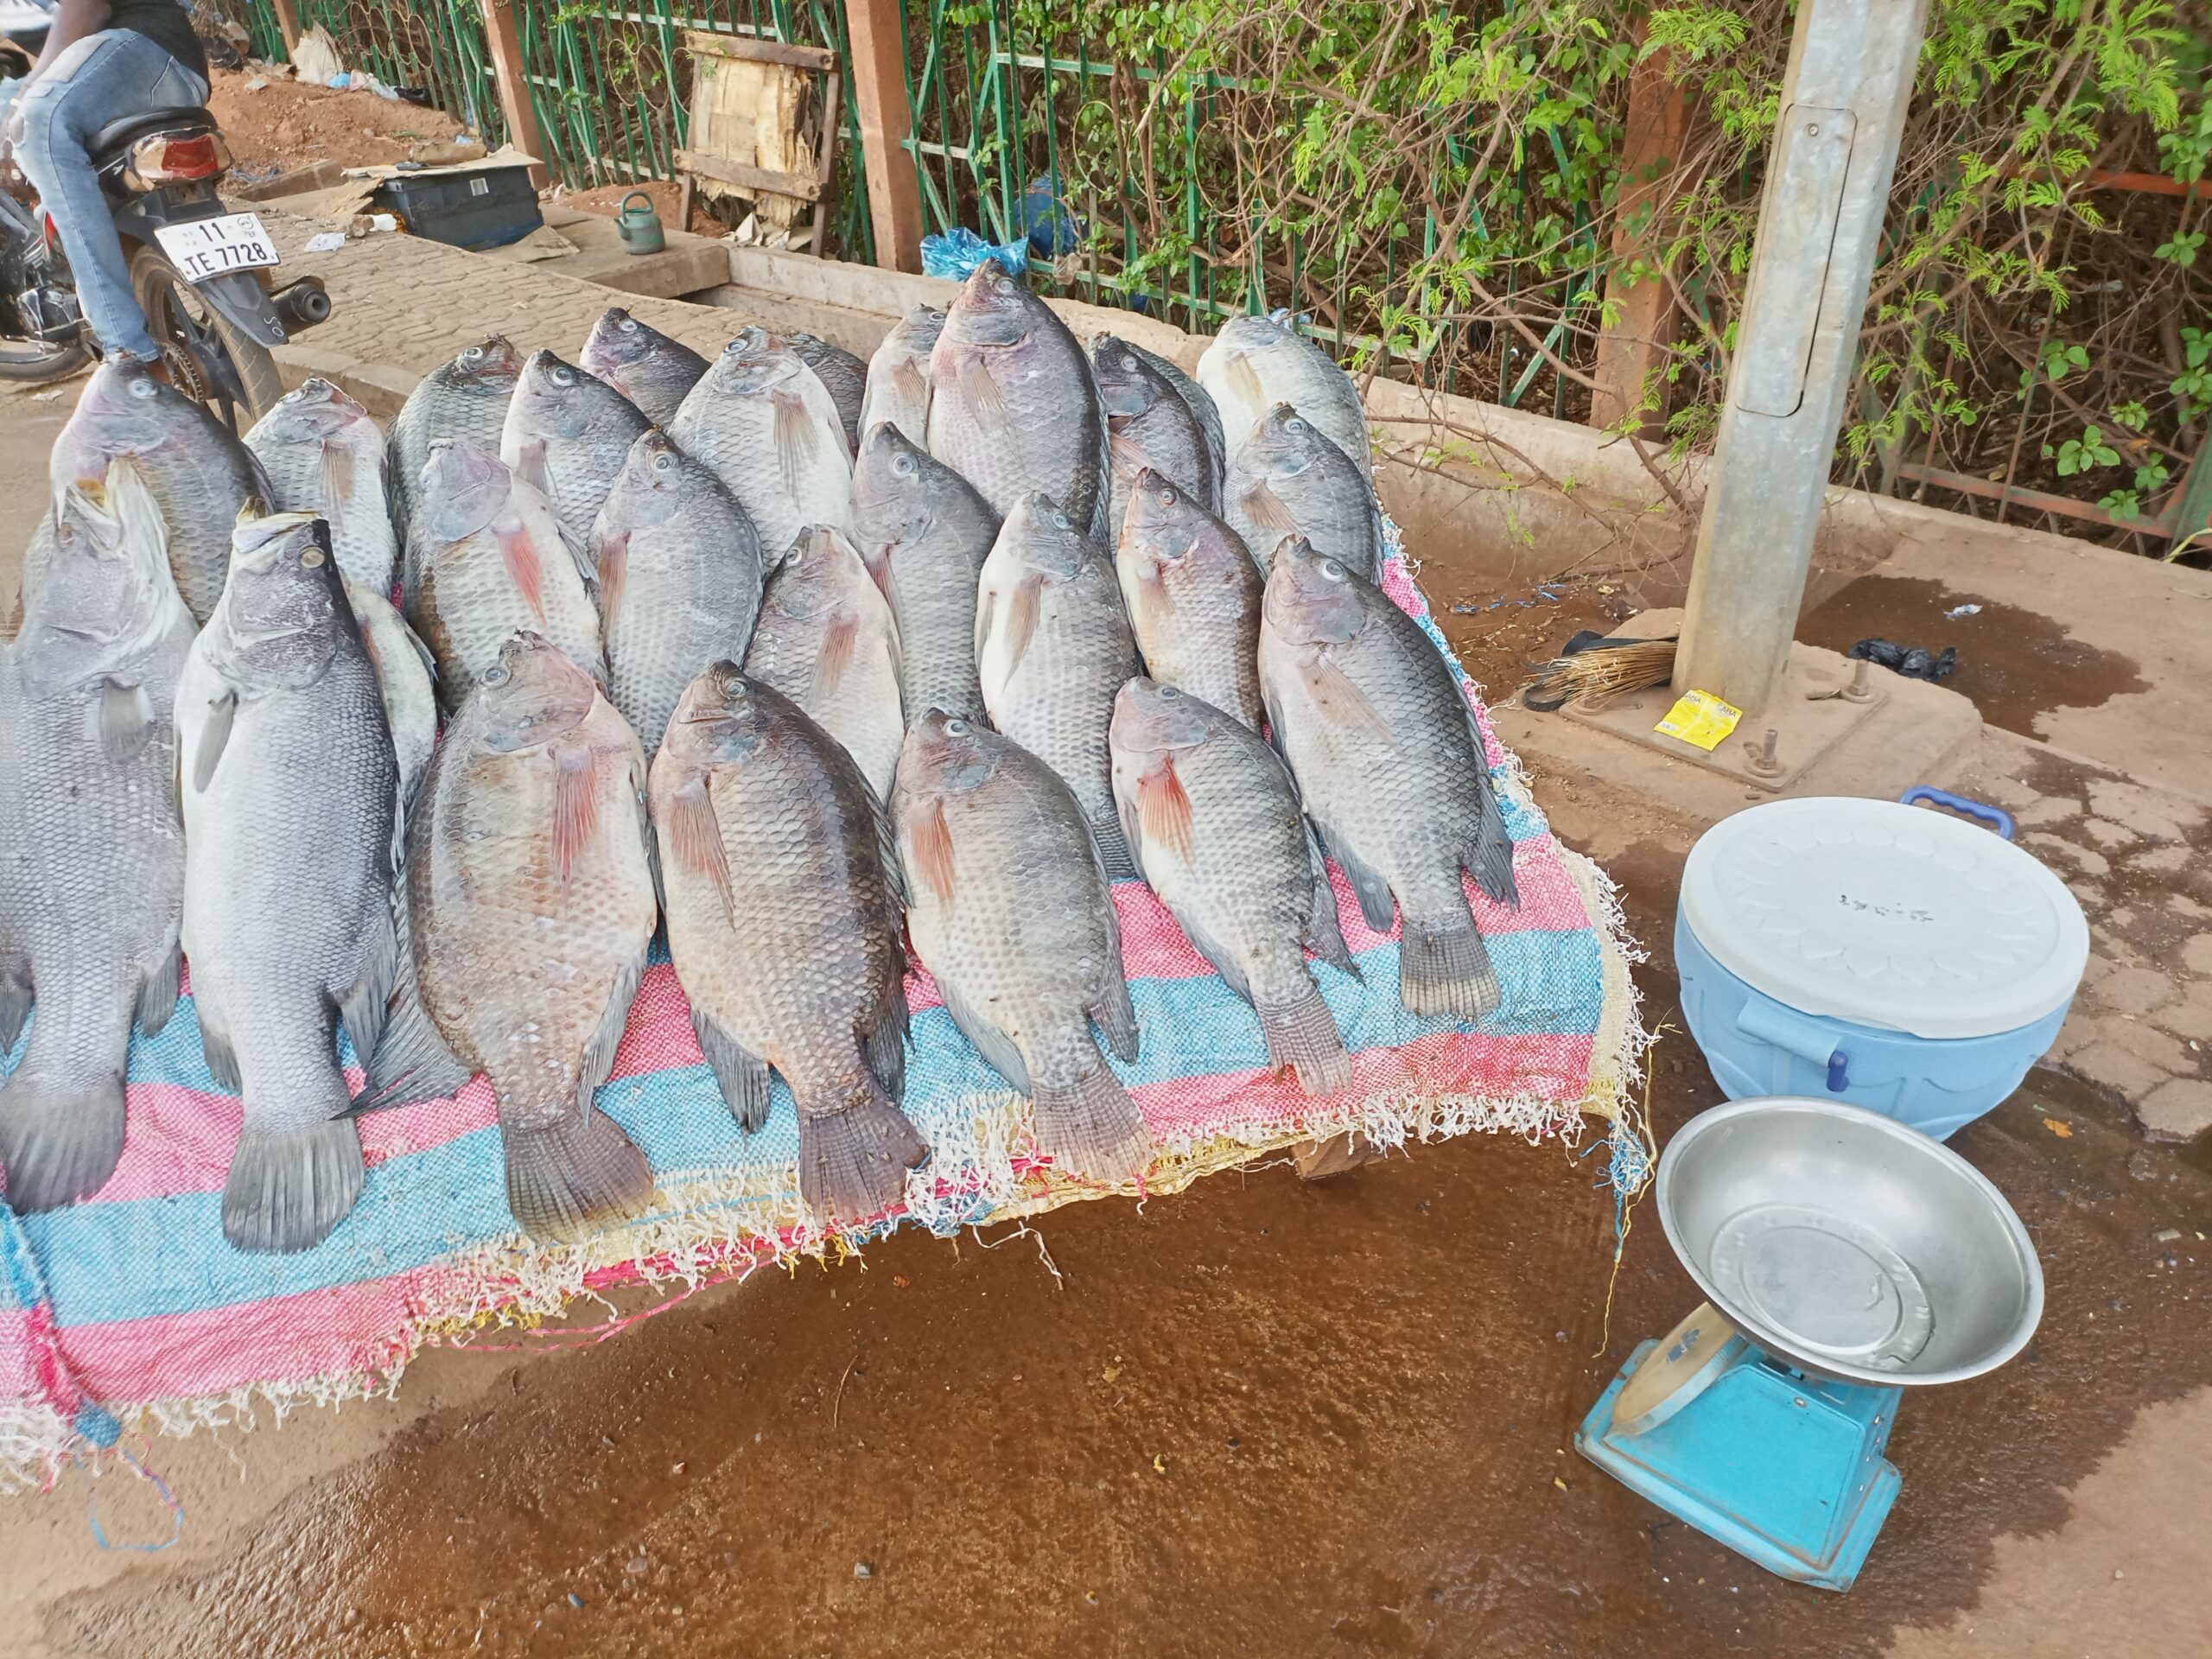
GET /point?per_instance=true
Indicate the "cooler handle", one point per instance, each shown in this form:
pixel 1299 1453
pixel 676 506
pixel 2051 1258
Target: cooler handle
pixel 1796 1033
pixel 1995 817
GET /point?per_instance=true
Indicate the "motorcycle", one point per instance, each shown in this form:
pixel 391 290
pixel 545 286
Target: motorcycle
pixel 200 271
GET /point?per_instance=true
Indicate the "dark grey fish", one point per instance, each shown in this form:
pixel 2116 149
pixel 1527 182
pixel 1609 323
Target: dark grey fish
pixel 1256 362
pixel 921 522
pixel 899 376
pixel 568 433
pixel 1198 401
pixel 463 402
pixel 843 375
pixel 644 364
pixel 1287 479
pixel 1149 425
pixel 1193 596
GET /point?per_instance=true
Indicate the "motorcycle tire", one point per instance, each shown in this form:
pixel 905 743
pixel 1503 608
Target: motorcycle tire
pixel 33 364
pixel 188 329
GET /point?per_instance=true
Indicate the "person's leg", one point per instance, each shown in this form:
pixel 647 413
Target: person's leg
pixel 100 78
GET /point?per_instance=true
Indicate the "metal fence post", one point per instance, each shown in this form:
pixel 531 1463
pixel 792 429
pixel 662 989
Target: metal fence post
pixel 1827 183
pixel 505 43
pixel 887 123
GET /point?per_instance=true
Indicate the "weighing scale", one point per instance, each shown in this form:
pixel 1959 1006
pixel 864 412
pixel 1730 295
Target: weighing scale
pixel 1845 1257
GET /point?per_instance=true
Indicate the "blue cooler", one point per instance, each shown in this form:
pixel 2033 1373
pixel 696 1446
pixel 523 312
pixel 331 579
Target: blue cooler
pixel 1901 960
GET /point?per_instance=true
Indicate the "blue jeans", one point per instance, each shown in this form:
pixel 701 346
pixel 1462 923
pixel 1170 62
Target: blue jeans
pixel 98 80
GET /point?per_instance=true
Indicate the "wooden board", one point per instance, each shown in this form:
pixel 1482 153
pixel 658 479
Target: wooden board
pixel 753 114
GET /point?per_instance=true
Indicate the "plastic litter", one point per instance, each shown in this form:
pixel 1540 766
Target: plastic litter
pixel 1052 224
pixel 1958 611
pixel 960 251
pixel 1914 662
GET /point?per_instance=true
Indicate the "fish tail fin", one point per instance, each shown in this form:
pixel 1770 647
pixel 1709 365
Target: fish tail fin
pixel 853 1159
pixel 288 1188
pixel 1114 848
pixel 1090 1126
pixel 1445 969
pixel 1303 1036
pixel 58 1145
pixel 570 1178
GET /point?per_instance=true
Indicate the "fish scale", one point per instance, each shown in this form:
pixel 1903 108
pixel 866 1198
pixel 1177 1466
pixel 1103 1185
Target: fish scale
pixel 568 433
pixel 897 389
pixel 827 640
pixel 1193 595
pixel 926 526
pixel 464 401
pixel 767 426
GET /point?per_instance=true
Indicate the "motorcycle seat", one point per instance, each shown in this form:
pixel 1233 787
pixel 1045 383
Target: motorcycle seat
pixel 111 139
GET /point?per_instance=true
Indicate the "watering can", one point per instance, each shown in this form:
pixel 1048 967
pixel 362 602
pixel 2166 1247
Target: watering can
pixel 639 227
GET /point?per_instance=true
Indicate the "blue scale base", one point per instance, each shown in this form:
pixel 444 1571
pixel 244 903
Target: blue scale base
pixel 1784 1469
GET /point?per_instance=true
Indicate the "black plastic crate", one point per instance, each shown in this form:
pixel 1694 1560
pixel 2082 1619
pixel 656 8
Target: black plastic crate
pixel 482 207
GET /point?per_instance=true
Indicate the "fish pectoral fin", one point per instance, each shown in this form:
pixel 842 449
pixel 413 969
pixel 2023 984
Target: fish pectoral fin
pixel 1339 700
pixel 742 1075
pixel 613 571
pixel 1264 510
pixel 929 843
pixel 1000 1051
pixel 1124 453
pixel 598 1053
pixel 335 477
pixel 794 435
pixel 1022 616
pixel 222 713
pixel 575 804
pixel 980 393
pixel 125 718
pixel 1164 811
pixel 532 468
pixel 835 656
pixel 158 992
pixel 695 836
pixel 518 554
pixel 1376 905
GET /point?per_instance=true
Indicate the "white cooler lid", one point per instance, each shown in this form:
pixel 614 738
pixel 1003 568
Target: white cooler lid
pixel 1885 915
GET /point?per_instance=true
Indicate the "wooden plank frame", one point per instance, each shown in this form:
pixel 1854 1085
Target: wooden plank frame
pixel 747 48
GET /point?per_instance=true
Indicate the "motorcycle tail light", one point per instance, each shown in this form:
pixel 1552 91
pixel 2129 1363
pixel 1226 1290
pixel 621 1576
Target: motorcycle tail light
pixel 158 160
pixel 52 231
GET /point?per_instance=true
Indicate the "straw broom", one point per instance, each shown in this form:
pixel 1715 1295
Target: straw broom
pixel 1593 675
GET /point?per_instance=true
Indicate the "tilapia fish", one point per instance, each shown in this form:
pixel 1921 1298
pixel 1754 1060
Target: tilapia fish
pixel 768 427
pixel 1383 745
pixel 1287 479
pixel 784 922
pixel 566 435
pixel 489 558
pixel 924 523
pixel 843 375
pixel 827 641
pixel 1214 820
pixel 899 376
pixel 464 401
pixel 1149 425
pixel 407 676
pixel 644 364
pixel 324 454
pixel 1193 596
pixel 1053 646
pixel 1197 399
pixel 1015 409
pixel 1009 908
pixel 291 787
pixel 679 580
pixel 201 475
pixel 530 893
pixel 92 879
pixel 1256 362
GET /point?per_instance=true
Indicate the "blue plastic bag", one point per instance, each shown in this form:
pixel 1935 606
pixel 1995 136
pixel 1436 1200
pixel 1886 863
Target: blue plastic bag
pixel 960 251
pixel 1052 224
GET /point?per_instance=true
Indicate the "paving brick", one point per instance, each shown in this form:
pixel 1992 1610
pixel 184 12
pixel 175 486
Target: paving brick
pixel 2180 1110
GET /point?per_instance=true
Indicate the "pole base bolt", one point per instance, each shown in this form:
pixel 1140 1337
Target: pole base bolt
pixel 1761 760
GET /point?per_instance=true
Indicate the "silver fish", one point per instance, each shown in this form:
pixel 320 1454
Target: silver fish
pixel 899 376
pixel 407 676
pixel 826 639
pixel 1385 750
pixel 644 364
pixel 324 454
pixel 202 476
pixel 1214 820
pixel 465 402
pixel 91 879
pixel 843 375
pixel 291 798
pixel 916 518
pixel 1015 409
pixel 784 922
pixel 1256 362
pixel 1193 596
pixel 566 435
pixel 490 558
pixel 1053 646
pixel 1197 399
pixel 1008 907
pixel 1287 479
pixel 679 580
pixel 768 427
pixel 1149 425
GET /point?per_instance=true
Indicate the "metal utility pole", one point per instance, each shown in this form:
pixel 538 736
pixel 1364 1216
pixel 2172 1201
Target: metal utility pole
pixel 1827 183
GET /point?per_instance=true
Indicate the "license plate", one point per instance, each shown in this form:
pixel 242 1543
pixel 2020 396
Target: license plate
pixel 208 247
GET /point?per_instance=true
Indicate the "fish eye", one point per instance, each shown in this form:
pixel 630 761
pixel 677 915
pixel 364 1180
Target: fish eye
pixel 1129 365
pixel 495 675
pixel 1332 570
pixel 472 354
pixel 734 346
pixel 1293 424
pixel 955 728
pixel 904 465
pixel 143 387
pixel 1002 285
pixel 733 686
pixel 1167 498
pixel 1059 521
pixel 565 377
pixel 628 325
pixel 312 559
pixel 1170 694
pixel 663 462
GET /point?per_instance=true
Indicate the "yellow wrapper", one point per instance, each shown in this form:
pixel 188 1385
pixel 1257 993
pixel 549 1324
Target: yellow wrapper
pixel 1700 717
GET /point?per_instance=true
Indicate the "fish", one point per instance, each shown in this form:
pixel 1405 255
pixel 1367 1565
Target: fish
pixel 1287 479
pixel 768 427
pixel 1214 820
pixel 566 435
pixel 201 475
pixel 827 640
pixel 843 375
pixel 1193 595
pixel 784 923
pixel 1256 362
pixel 1015 409
pixel 322 454
pixel 646 366
pixel 28 575
pixel 1008 907
pixel 464 401
pixel 407 676
pixel 290 786
pixel 489 558
pixel 91 879
pixel 1196 398
pixel 1390 766
pixel 1053 646
pixel 899 376
pixel 1149 425
pixel 679 580
pixel 529 908
pixel 924 524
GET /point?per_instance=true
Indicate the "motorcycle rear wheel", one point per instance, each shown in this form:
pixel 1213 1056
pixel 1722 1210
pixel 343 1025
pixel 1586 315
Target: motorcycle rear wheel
pixel 192 334
pixel 36 361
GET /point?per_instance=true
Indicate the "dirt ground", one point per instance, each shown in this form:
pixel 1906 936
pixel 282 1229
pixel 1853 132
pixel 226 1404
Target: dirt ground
pixel 285 124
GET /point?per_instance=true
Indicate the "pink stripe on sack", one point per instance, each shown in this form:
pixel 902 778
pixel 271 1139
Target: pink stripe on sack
pixel 20 1377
